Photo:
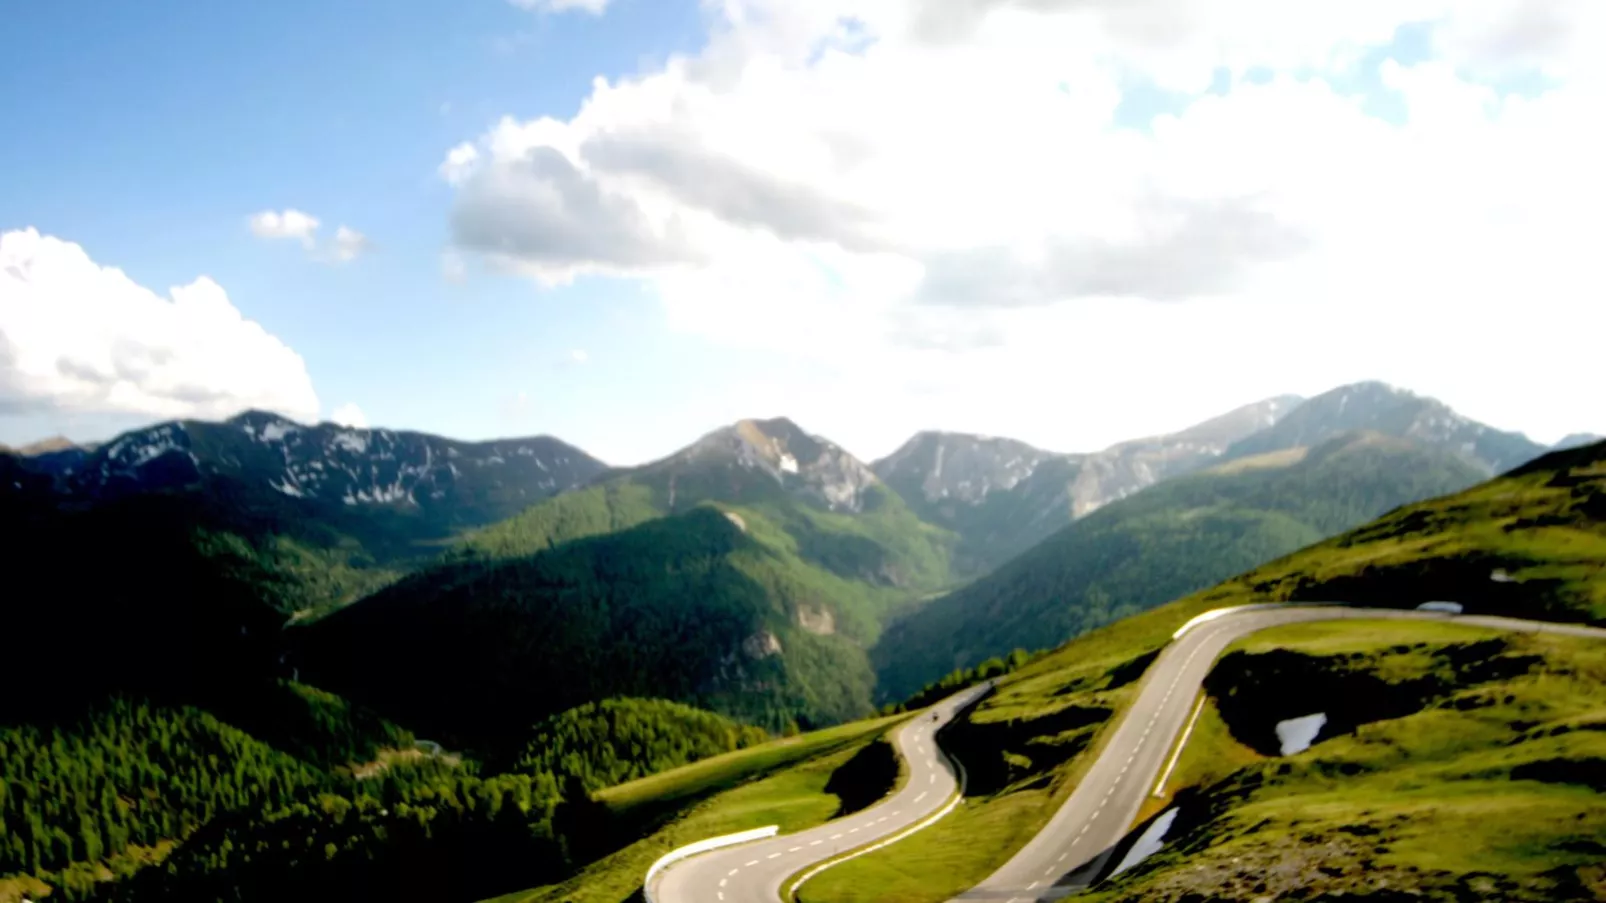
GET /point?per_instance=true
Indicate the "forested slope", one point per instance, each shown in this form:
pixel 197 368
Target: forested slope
pixel 696 607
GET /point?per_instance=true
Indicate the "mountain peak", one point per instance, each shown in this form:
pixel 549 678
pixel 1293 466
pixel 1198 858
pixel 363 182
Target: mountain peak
pixel 1222 430
pixel 46 446
pixel 1576 440
pixel 965 467
pixel 1381 408
pixel 789 455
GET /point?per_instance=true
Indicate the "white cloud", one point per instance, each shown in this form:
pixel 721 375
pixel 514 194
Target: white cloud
pixel 459 163
pixel 289 224
pixel 934 197
pixel 594 7
pixel 350 415
pixel 80 338
pixel 348 244
pixel 579 356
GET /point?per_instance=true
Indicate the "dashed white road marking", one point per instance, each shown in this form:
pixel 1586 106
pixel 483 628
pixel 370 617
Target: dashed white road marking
pixel 773 856
pixel 734 871
pixel 751 863
pixel 815 843
pixel 836 836
pixel 794 849
pixel 921 796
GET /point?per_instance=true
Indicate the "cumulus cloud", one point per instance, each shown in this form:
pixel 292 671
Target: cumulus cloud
pixel 729 188
pixel 594 7
pixel 578 356
pixel 288 224
pixel 541 212
pixel 347 245
pixel 968 193
pixel 350 415
pixel 80 338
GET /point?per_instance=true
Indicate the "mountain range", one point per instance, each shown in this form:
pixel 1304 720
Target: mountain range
pixel 1165 542
pixel 746 573
pixel 338 510
pixel 1002 496
pixel 957 547
pixel 261 606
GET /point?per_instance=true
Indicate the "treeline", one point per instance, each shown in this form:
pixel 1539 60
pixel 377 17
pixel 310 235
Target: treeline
pixel 130 774
pixel 601 744
pixel 958 679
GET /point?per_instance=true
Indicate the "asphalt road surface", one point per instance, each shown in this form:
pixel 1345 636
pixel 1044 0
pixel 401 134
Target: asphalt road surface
pixel 753 872
pixel 1080 837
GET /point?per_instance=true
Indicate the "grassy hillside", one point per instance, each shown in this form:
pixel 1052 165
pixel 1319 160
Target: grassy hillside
pixel 794 783
pixel 1164 542
pixel 1472 768
pixel 1542 528
pixel 716 608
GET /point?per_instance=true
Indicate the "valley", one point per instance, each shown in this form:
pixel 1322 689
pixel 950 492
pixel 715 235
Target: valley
pixel 567 635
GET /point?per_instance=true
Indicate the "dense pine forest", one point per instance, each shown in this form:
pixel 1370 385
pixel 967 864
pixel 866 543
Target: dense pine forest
pixel 138 801
pixel 605 743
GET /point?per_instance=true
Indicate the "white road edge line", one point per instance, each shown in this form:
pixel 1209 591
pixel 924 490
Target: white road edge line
pixel 701 846
pixel 1159 789
pixel 959 797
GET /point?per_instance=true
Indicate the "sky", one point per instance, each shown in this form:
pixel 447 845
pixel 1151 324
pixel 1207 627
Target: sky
pixel 628 222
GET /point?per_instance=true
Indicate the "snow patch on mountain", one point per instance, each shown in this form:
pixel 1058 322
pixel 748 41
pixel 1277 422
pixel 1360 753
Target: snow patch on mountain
pixel 356 443
pixel 326 461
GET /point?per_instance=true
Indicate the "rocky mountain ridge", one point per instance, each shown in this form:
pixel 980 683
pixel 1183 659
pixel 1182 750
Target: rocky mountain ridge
pixel 323 462
pixel 1392 411
pixel 1002 496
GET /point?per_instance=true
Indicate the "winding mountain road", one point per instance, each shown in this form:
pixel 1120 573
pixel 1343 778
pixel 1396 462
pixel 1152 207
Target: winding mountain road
pixel 753 872
pixel 1084 832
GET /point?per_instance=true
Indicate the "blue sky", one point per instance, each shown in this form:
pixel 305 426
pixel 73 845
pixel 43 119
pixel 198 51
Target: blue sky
pixel 149 133
pixel 165 124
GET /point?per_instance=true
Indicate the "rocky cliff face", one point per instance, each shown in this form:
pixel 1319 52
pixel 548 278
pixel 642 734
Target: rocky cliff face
pixel 965 469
